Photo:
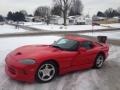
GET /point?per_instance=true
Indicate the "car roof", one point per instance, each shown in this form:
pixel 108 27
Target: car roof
pixel 77 38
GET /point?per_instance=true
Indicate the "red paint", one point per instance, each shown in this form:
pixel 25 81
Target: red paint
pixel 67 60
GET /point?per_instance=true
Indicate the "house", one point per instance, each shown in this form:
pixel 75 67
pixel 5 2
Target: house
pixel 29 19
pixel 79 20
pixel 116 19
pixel 88 21
pixel 96 18
pixel 54 19
pixel 39 19
pixel 72 20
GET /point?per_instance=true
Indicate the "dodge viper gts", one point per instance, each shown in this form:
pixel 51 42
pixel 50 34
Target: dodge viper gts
pixel 43 63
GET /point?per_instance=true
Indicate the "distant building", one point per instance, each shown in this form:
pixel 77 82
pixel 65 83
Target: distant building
pixel 96 18
pixel 80 20
pixel 88 21
pixel 116 19
pixel 54 19
pixel 29 19
pixel 39 19
pixel 104 20
pixel 72 20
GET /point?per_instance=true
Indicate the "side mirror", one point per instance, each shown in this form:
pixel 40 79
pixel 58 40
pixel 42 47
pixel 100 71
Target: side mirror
pixel 54 42
pixel 92 45
pixel 82 50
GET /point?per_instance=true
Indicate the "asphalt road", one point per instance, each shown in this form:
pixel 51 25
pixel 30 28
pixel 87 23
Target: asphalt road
pixel 106 78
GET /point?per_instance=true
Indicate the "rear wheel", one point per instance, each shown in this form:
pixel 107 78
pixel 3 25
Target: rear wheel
pixel 99 61
pixel 46 72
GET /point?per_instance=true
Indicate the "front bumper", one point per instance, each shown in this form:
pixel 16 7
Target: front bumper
pixel 20 74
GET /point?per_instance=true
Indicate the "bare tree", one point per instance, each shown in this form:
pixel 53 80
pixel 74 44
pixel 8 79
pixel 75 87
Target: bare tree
pixel 42 11
pixel 65 7
pixel 76 8
pixel 118 10
pixel 24 12
pixel 111 13
pixel 56 10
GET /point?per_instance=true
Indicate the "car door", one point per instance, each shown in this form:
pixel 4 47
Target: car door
pixel 85 56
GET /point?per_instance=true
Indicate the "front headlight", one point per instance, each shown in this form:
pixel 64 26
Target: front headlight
pixel 27 61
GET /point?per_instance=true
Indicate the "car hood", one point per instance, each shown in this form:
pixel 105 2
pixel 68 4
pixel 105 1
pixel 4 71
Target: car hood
pixel 34 51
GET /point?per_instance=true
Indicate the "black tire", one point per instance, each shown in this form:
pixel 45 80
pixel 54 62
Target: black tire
pixel 99 61
pixel 39 74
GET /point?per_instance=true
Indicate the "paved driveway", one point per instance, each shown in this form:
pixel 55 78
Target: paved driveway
pixel 106 78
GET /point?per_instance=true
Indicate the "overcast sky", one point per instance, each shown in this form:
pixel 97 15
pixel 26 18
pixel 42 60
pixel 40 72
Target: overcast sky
pixel 90 6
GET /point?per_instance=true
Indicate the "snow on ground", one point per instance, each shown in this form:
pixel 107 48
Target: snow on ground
pixel 52 27
pixel 31 23
pixel 114 25
pixel 40 25
pixel 66 28
pixel 9 29
pixel 109 34
pixel 106 78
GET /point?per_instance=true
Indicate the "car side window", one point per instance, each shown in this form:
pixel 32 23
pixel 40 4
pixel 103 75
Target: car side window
pixel 87 44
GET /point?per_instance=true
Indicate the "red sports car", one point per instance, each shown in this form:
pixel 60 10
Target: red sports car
pixel 43 62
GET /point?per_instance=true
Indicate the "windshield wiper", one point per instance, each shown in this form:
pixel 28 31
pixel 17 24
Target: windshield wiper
pixel 57 47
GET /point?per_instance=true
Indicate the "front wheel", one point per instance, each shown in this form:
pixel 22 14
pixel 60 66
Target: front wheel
pixel 46 72
pixel 99 61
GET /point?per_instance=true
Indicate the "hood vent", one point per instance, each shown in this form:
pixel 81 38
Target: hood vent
pixel 18 53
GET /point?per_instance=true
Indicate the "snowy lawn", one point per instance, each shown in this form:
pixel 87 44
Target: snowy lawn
pixel 114 25
pixel 106 78
pixel 9 29
pixel 69 27
pixel 109 34
pixel 40 25
pixel 66 28
pixel 30 23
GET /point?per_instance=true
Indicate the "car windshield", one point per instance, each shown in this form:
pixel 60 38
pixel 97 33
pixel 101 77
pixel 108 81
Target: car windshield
pixel 66 44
